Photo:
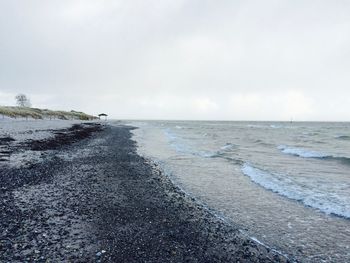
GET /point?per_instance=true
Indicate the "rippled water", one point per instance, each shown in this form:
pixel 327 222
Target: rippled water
pixel 286 184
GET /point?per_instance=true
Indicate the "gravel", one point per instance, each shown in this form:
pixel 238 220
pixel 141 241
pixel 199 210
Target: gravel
pixel 94 199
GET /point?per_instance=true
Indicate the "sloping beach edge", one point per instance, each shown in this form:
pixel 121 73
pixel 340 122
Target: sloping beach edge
pixel 113 205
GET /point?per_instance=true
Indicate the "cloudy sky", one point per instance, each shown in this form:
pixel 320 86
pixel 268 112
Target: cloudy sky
pixel 166 59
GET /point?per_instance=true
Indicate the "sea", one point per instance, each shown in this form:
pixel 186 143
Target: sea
pixel 285 185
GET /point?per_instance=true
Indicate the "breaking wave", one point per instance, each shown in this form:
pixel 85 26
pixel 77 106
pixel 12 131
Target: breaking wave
pixel 227 146
pixel 182 147
pixel 309 195
pixel 300 152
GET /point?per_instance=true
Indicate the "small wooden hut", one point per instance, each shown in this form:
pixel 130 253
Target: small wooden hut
pixel 103 115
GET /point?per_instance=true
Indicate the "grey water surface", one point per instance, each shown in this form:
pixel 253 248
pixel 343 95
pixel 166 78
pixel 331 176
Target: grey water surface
pixel 284 184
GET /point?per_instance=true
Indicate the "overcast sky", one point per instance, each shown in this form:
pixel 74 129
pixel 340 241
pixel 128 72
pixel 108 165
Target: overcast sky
pixel 177 59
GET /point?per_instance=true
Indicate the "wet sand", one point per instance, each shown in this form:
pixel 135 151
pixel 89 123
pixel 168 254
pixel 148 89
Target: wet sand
pixel 92 198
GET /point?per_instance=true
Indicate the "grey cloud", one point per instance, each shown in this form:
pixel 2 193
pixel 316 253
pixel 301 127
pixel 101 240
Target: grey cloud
pixel 179 59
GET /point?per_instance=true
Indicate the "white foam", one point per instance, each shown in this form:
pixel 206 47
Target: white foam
pixel 311 196
pixel 180 146
pixel 175 143
pixel 227 146
pixel 302 152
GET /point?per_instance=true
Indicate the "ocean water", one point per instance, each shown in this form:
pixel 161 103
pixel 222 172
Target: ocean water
pixel 286 185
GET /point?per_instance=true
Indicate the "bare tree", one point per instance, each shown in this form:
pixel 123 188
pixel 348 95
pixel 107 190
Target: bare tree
pixel 23 101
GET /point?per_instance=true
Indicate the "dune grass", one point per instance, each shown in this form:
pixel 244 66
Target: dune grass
pixel 34 113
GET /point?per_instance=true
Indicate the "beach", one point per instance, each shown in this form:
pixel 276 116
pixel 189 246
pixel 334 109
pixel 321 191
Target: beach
pixel 283 184
pixel 88 196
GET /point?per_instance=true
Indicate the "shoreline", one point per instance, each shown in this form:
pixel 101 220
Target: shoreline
pixel 98 200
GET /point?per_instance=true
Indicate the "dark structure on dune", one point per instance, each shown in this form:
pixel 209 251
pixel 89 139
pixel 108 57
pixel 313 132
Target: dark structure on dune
pixel 102 115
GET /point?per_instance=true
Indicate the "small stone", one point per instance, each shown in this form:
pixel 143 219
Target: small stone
pixel 103 251
pixel 98 254
pixel 26 252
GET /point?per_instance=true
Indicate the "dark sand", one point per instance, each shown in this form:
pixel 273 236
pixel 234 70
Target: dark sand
pixel 94 199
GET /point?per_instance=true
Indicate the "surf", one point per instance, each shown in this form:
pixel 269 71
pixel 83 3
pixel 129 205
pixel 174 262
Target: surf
pixel 286 186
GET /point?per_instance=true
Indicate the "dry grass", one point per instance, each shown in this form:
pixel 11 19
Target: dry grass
pixel 34 113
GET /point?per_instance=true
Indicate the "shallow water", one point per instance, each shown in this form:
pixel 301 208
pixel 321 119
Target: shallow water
pixel 286 184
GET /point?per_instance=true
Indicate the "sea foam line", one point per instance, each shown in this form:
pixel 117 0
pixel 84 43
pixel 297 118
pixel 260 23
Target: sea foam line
pixel 287 187
pixel 162 167
pixel 182 147
pixel 302 152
